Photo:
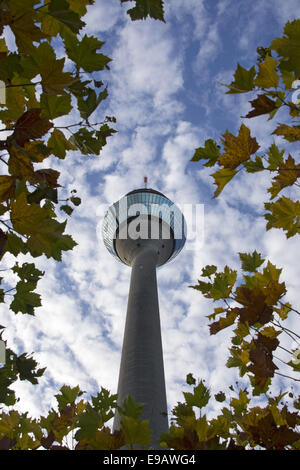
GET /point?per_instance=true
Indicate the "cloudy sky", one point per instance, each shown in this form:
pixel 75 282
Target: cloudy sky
pixel 165 92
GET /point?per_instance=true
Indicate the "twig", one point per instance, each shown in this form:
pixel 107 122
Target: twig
pixel 287 376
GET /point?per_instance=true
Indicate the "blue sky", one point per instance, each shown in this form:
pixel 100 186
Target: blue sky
pixel 165 92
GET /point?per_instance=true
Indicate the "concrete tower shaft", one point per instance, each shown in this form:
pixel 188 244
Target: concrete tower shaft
pixel 142 369
pixel 144 230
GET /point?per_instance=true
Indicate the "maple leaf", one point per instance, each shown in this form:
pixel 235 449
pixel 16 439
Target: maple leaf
pixel 243 80
pixel 25 299
pixel 48 238
pixel 54 106
pixel 237 149
pixel 262 105
pixel 210 152
pixel 270 436
pixel 267 76
pixel 44 62
pixel 30 126
pixel 250 262
pixel 224 322
pixel 144 8
pixel 84 52
pixel 19 163
pixel 23 25
pixel 200 396
pixel 222 177
pixel 290 133
pixel 275 157
pixel 59 9
pixel 26 217
pixel 288 173
pixel 6 187
pixel 59 144
pixel 261 357
pixel 255 308
pixel 285 214
pixel 287 47
pixel 46 177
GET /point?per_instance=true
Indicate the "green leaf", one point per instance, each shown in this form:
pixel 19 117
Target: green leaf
pixel 250 262
pixel 91 142
pixel 290 133
pixel 59 144
pixel 285 214
pixel 287 47
pixel 223 284
pixel 220 396
pixel 27 368
pixel 88 422
pixel 14 244
pixel 240 404
pixel 275 157
pixel 209 270
pixel 210 152
pixel 67 209
pixel 59 9
pixel 222 177
pixel 243 80
pixel 87 106
pixel 144 8
pixel 75 200
pixel 131 408
pixel 54 106
pixel 202 286
pixel 54 79
pixel 190 379
pixel 199 397
pixel 104 401
pixel 267 76
pixel 50 240
pixel 135 432
pixel 67 395
pixel 28 272
pixel 25 300
pixel 26 217
pixel 84 52
pixel 254 166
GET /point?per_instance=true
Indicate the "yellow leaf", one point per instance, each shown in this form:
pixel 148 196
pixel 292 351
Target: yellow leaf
pixel 26 218
pixel 9 423
pixel 19 163
pixel 6 187
pixel 288 173
pixel 15 104
pixel 270 332
pixel 267 76
pixel 237 149
pixel 34 151
pixel 3 46
pixel 222 177
pixel 283 311
pixel 202 428
pixel 290 133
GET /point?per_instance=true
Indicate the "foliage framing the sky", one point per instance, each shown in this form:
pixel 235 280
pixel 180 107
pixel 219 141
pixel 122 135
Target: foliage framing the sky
pixel 29 197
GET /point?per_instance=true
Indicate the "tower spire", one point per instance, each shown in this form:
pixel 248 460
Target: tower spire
pixel 145 181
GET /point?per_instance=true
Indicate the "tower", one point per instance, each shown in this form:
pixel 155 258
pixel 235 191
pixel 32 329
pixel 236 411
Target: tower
pixel 144 230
